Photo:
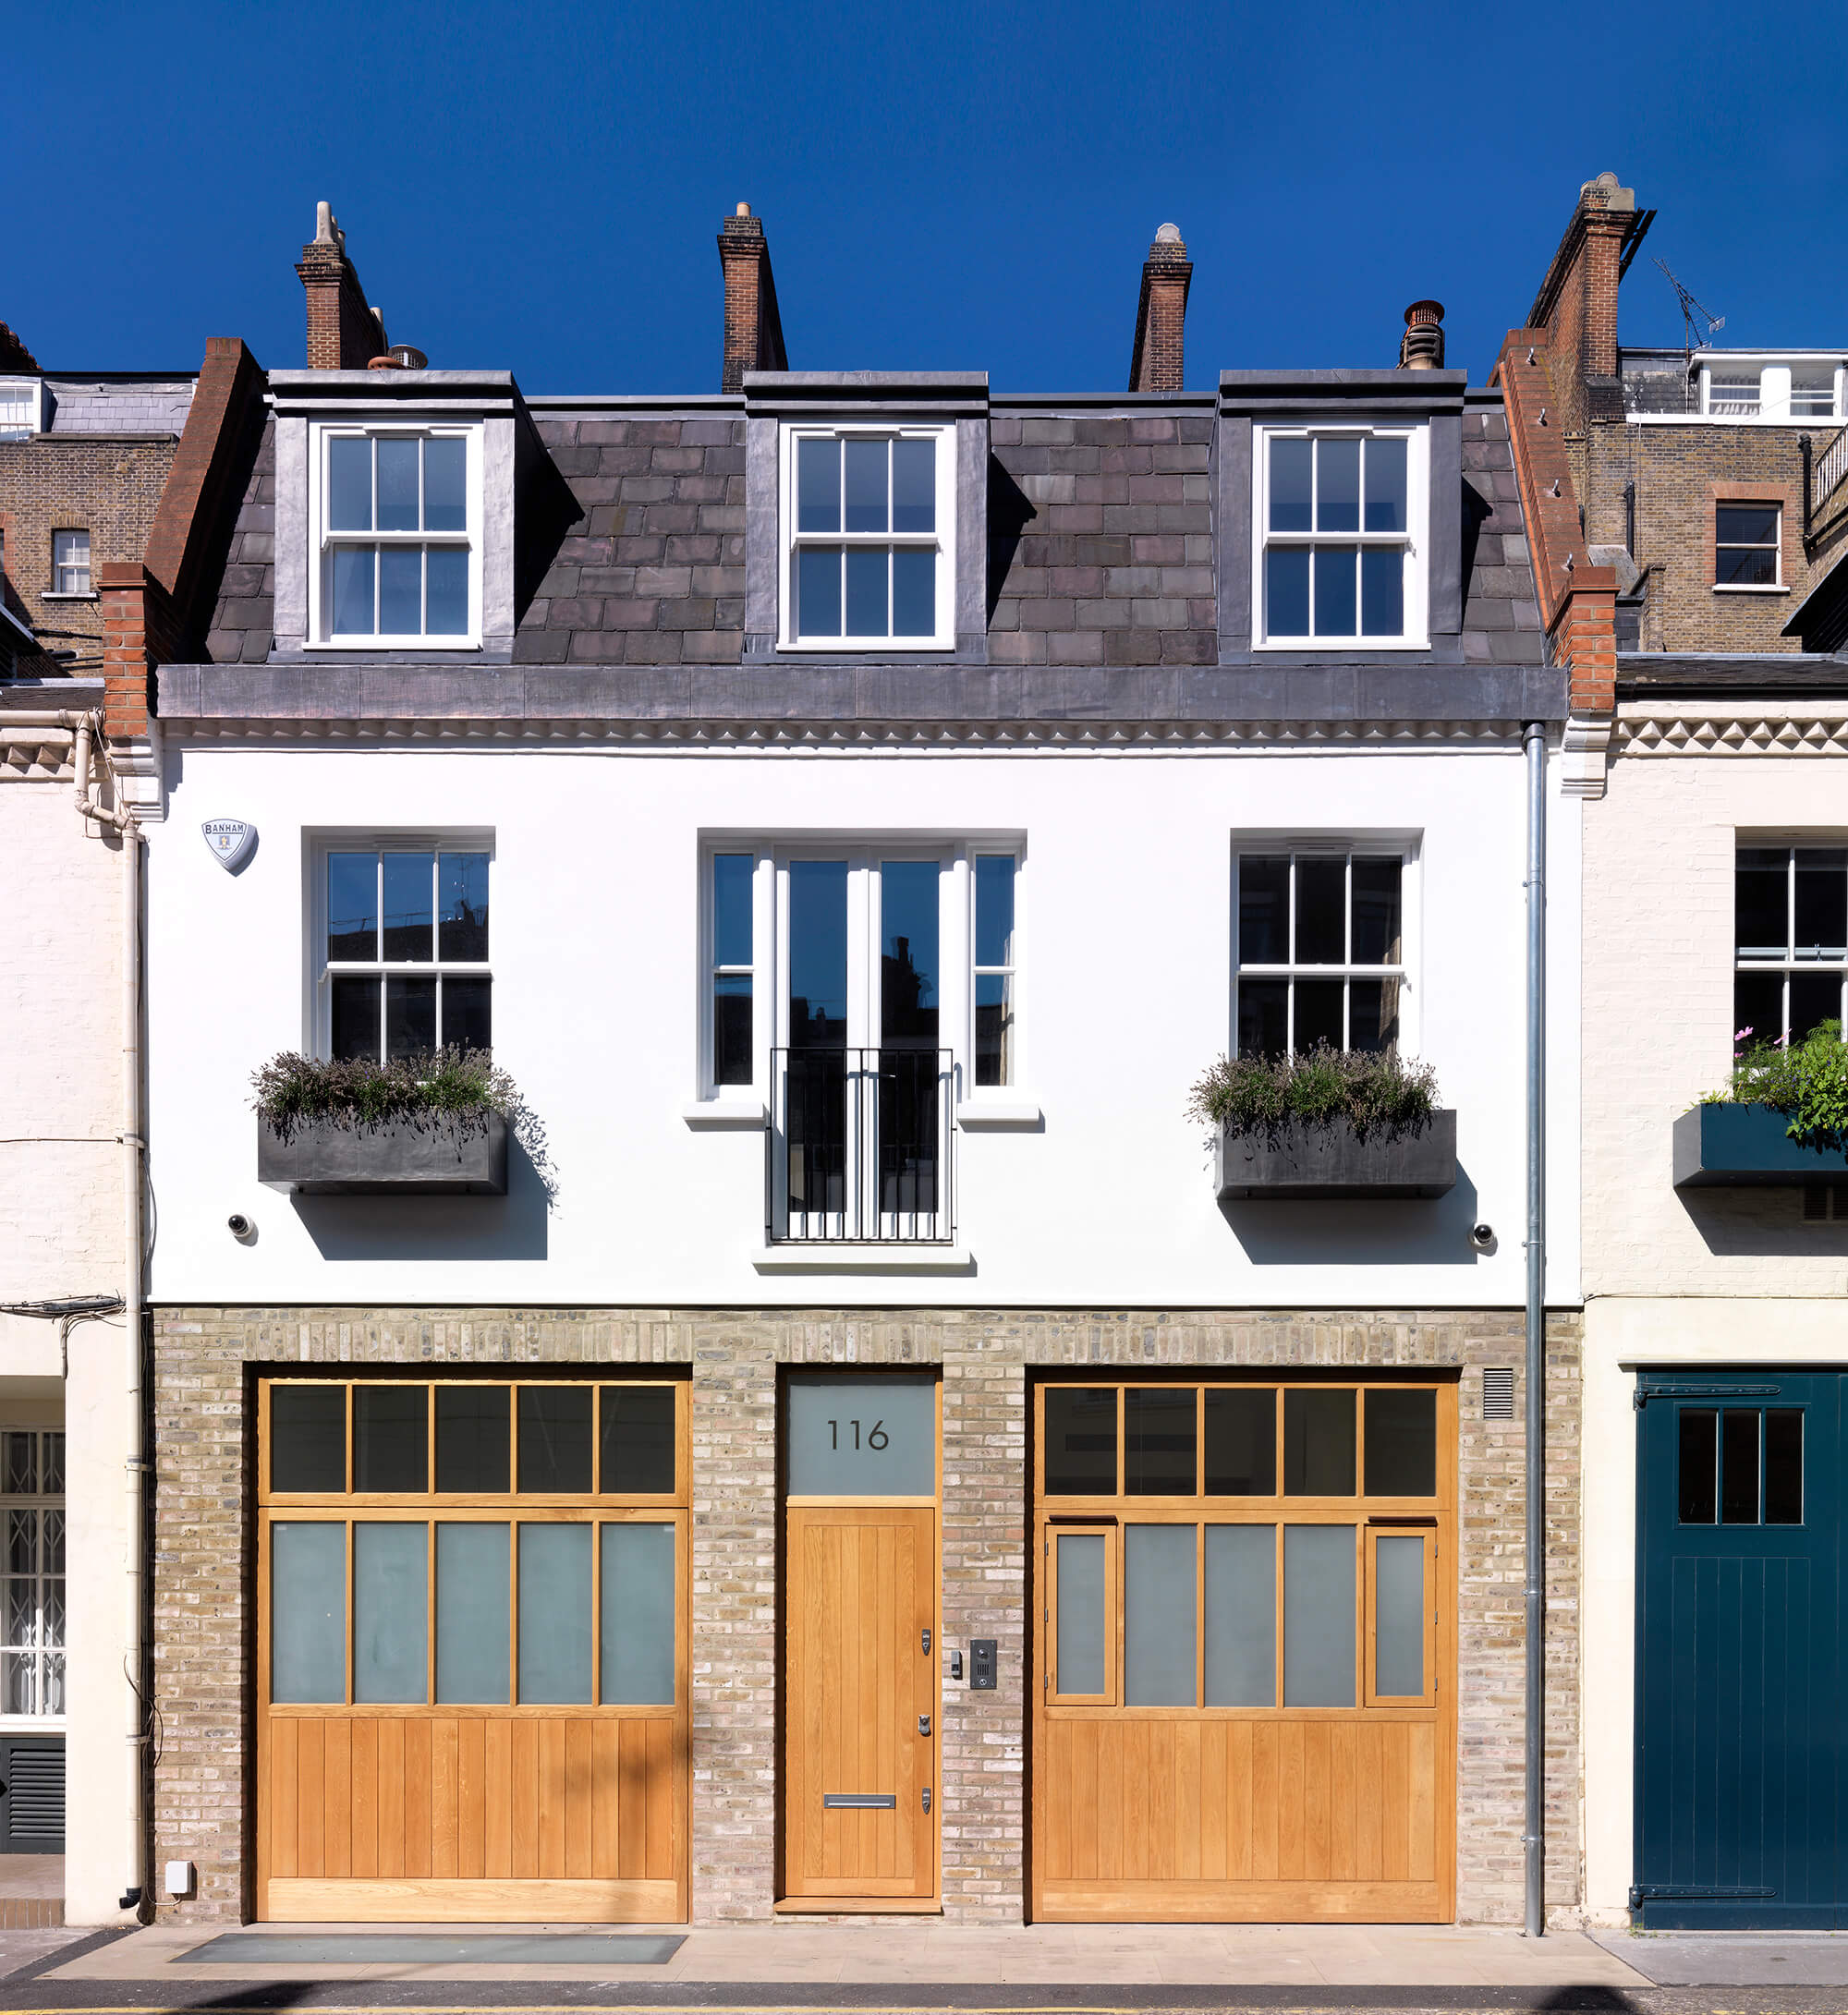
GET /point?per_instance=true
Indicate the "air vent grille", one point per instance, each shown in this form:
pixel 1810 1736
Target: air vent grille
pixel 35 1794
pixel 1498 1392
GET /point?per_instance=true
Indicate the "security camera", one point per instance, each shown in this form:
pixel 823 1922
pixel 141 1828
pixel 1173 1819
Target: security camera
pixel 239 1225
pixel 1482 1236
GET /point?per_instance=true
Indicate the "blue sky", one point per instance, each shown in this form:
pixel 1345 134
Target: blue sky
pixel 952 185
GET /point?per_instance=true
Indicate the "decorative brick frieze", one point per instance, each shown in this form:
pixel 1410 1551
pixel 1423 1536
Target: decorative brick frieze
pixel 205 1363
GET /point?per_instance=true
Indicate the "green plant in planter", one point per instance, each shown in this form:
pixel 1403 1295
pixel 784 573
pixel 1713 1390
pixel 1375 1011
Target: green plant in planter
pixel 361 1092
pixel 1375 1091
pixel 1807 1081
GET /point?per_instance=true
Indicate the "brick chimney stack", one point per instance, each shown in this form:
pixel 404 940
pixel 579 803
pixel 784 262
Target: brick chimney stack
pixel 14 355
pixel 344 332
pixel 1577 302
pixel 753 327
pixel 1156 363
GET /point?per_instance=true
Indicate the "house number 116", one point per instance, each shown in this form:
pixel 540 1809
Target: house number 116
pixel 877 1437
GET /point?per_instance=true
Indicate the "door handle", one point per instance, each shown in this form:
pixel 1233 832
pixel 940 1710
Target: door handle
pixel 923 1724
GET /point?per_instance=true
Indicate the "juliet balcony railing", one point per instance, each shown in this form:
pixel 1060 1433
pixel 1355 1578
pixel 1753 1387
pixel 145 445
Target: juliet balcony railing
pixel 1825 471
pixel 859 1149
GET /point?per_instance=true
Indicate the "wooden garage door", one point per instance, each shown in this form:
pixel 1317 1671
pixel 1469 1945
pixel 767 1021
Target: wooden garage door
pixel 1244 1694
pixel 473 1663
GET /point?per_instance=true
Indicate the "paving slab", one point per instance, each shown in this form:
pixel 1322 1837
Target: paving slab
pixel 1733 1959
pixel 892 1952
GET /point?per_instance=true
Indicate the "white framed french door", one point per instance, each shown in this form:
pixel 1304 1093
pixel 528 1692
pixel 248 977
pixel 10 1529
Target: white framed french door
pixel 862 1079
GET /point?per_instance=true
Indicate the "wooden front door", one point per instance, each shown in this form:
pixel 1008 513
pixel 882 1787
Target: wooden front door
pixel 1244 1699
pixel 473 1651
pixel 861 1651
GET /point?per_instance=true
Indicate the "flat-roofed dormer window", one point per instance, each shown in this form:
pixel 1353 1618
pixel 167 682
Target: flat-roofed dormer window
pixel 398 525
pixel 868 519
pixel 21 407
pixel 1343 513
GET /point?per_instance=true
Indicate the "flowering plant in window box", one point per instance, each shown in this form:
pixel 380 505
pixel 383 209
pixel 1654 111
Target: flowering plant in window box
pixel 426 1124
pixel 1782 1118
pixel 1327 1123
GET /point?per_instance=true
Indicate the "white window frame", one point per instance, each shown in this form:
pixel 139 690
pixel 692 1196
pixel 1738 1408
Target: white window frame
pixel 23 409
pixel 1777 587
pixel 72 570
pixel 942 542
pixel 323 971
pixel 770 955
pixel 761 972
pixel 322 540
pixel 1344 847
pixel 1415 541
pixel 1790 963
pixel 975 1094
pixel 48 1640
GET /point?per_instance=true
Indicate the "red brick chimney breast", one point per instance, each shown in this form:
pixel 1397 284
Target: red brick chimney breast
pixel 1156 361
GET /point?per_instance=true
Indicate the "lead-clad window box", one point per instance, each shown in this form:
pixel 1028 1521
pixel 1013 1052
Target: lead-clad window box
pixel 1725 1146
pixel 439 1155
pixel 1300 1161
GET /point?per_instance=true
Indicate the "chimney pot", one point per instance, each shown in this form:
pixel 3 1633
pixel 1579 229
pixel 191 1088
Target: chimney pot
pixel 1422 345
pixel 1169 234
pixel 744 210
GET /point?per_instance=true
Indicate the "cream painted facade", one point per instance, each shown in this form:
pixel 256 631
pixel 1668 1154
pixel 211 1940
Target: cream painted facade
pixel 61 1236
pixel 1677 1278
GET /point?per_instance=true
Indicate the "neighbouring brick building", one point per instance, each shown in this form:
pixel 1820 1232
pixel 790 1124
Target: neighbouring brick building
pixel 846 1443
pixel 1688 516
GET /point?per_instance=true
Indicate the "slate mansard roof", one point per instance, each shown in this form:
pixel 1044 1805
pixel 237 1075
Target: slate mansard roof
pixel 1105 558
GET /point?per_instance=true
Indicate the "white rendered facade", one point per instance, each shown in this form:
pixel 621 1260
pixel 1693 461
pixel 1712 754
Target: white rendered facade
pixel 61 1237
pixel 1087 1185
pixel 1719 1276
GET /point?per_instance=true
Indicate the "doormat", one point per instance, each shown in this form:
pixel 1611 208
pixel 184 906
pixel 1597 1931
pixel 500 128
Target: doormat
pixel 437 1948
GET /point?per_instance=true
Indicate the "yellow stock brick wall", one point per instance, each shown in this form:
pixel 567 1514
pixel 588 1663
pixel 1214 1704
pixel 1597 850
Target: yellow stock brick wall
pixel 206 1361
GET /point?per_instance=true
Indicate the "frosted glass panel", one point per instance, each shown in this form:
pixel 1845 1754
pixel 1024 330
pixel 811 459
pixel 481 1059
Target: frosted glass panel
pixel 555 1614
pixel 855 1438
pixel 473 1589
pixel 308 1612
pixel 1081 1620
pixel 1240 1620
pixel 1158 1616
pixel 637 1621
pixel 1399 1616
pixel 1319 1616
pixel 390 1613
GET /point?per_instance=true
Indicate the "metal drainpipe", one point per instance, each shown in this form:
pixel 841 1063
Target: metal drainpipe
pixel 1534 1836
pixel 124 821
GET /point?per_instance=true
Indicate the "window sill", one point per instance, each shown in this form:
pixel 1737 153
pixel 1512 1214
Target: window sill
pixel 725 1114
pixel 845 1258
pixel 976 1115
pixel 865 647
pixel 1302 646
pixel 31 1724
pixel 84 594
pixel 1749 588
pixel 421 644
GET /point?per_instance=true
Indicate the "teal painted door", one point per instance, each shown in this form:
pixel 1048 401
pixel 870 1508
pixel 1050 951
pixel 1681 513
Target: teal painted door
pixel 1739 1749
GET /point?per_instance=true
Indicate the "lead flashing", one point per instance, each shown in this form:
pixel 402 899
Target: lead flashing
pixel 1264 393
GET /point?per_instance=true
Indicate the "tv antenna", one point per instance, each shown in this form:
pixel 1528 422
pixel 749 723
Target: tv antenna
pixel 1690 311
